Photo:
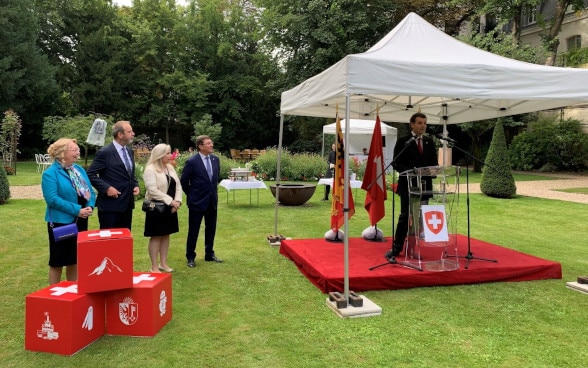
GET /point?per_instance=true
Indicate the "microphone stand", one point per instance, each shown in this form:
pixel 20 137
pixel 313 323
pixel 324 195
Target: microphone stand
pixel 391 259
pixel 469 256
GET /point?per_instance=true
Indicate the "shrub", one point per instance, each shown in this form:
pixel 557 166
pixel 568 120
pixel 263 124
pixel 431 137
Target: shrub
pixel 497 180
pixel 306 166
pixel 525 153
pixel 298 166
pixel 4 186
pixel 569 146
pixel 547 143
pixel 266 165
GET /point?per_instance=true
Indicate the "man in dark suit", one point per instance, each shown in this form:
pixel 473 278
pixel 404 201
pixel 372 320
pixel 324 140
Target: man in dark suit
pixel 420 151
pixel 112 173
pixel 329 174
pixel 200 178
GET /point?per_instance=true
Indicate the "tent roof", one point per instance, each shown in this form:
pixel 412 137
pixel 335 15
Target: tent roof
pixel 418 65
pixel 359 126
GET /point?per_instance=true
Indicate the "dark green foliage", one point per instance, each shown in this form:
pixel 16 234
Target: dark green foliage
pixel 4 186
pixel 547 143
pixel 497 180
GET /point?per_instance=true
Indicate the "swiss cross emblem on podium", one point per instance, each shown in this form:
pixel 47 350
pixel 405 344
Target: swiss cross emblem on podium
pixel 434 223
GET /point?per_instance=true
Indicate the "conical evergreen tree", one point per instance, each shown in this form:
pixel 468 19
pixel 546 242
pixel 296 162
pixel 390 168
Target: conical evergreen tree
pixel 497 180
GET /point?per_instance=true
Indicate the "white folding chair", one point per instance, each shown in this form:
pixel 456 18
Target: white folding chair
pixel 45 161
pixel 38 161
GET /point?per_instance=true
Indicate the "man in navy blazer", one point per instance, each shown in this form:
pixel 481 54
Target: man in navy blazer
pixel 200 178
pixel 112 173
pixel 407 156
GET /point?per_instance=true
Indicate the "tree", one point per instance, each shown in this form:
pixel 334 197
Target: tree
pixel 497 180
pixel 9 136
pixel 513 11
pixel 26 76
pixel 206 127
pixel 4 186
pixel 499 43
pixel 552 27
pixel 307 37
pixel 243 95
pixel 87 41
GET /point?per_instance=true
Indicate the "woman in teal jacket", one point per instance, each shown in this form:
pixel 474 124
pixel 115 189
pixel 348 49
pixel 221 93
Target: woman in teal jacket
pixel 70 198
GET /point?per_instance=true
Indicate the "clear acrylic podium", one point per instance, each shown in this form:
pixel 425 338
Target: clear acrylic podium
pixel 431 241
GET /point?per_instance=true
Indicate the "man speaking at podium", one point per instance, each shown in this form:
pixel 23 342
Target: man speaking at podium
pixel 420 151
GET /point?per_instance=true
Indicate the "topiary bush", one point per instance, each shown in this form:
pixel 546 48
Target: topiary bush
pixel 497 180
pixel 4 186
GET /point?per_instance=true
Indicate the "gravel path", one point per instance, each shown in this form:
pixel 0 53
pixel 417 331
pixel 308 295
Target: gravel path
pixel 547 188
pixel 539 188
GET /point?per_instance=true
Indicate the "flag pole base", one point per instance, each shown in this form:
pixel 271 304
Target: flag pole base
pixel 357 305
pixel 276 240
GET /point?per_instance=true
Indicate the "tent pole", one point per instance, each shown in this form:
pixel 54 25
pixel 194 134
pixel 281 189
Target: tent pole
pixel 278 174
pixel 346 197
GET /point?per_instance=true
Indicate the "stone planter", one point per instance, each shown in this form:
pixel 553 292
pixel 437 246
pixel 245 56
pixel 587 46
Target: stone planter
pixel 294 194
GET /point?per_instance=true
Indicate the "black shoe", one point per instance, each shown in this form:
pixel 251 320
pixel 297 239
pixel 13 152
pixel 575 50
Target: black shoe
pixel 389 254
pixel 213 259
pixel 396 250
pixel 191 263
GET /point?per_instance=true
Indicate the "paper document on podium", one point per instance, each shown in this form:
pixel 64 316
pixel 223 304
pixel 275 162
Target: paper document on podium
pixel 434 223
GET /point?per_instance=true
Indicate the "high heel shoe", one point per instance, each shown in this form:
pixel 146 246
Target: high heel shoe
pixel 168 269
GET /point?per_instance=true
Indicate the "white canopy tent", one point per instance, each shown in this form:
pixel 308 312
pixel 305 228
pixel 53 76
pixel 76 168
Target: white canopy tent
pixel 418 67
pixel 360 136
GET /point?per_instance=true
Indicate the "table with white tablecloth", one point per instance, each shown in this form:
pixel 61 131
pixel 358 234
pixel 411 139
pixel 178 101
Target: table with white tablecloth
pixel 329 181
pixel 242 184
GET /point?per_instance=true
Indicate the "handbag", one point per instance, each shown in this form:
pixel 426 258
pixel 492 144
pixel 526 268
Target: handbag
pixel 63 232
pixel 155 207
pixel 152 206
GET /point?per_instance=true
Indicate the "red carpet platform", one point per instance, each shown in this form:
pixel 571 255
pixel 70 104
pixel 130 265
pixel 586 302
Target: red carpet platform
pixel 322 263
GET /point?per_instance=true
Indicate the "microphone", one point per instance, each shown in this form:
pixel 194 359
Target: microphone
pixel 412 139
pixel 446 139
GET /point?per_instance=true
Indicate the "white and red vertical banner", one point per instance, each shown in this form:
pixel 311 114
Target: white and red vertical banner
pixel 374 180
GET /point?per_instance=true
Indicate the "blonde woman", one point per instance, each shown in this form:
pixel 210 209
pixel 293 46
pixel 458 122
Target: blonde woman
pixel 161 184
pixel 69 197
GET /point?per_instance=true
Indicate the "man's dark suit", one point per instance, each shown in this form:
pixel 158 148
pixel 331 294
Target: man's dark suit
pixel 202 200
pixel 108 169
pixel 409 159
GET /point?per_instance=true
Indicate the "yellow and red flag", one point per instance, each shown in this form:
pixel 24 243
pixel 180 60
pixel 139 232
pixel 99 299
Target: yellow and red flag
pixel 374 180
pixel 337 204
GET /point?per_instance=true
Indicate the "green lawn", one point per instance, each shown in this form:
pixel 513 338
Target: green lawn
pixel 257 310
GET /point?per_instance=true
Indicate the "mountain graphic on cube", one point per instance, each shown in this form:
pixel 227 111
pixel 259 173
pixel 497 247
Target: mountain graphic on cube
pixel 105 265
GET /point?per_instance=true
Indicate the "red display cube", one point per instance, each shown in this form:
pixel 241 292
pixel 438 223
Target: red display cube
pixel 61 321
pixel 142 310
pixel 105 260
